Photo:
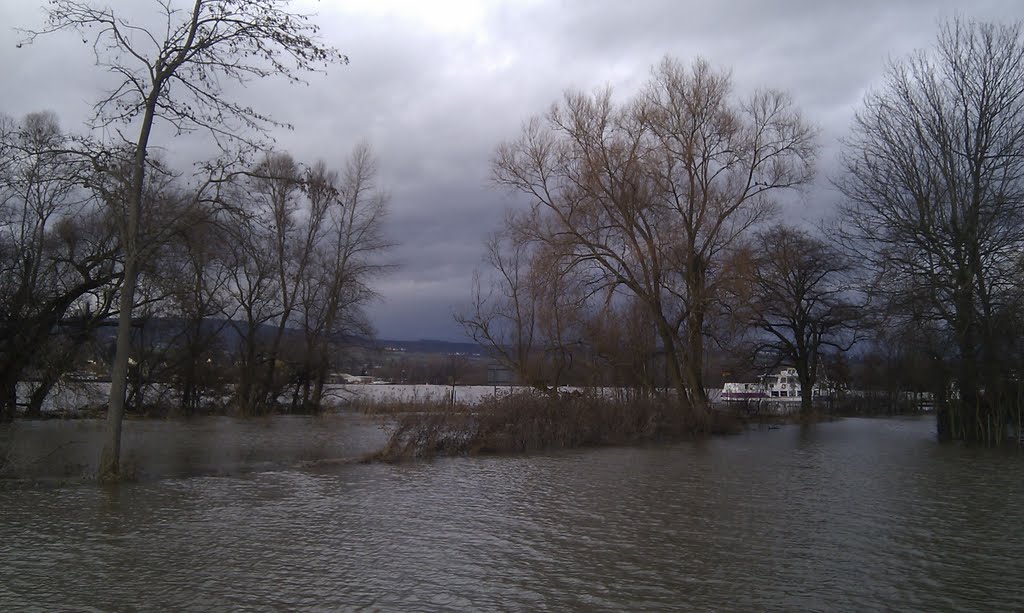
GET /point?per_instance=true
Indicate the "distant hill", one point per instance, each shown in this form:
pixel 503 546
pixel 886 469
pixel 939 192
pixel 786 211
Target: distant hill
pixel 430 346
pixel 162 329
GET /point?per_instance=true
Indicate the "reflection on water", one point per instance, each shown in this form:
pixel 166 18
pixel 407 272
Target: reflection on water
pixel 852 515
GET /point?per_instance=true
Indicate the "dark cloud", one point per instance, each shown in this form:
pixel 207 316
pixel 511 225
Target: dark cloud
pixel 434 87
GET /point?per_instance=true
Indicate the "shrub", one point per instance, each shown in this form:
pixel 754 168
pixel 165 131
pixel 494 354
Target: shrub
pixel 529 421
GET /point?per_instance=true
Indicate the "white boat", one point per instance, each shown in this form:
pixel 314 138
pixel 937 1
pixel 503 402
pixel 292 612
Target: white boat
pixel 783 386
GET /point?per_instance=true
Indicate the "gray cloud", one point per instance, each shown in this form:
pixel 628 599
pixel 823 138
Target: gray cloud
pixel 434 88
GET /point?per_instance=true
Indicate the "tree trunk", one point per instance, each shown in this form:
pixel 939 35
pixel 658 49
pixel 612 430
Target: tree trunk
pixel 673 368
pixel 694 365
pixel 35 401
pixel 966 409
pixel 110 458
pixel 316 396
pixel 271 388
pixel 10 373
pixel 943 414
pixel 807 380
pixel 246 392
pixel 694 380
pixel 806 397
pixel 9 395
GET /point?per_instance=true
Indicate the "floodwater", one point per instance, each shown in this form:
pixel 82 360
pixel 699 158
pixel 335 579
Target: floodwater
pixel 852 515
pixel 68 449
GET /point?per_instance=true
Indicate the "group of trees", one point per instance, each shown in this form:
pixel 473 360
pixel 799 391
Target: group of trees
pixel 302 254
pixel 639 210
pixel 652 233
pixel 254 277
pixel 98 227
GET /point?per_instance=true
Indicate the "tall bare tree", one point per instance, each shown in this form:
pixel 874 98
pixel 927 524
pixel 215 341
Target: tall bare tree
pixel 174 72
pixel 251 301
pixel 502 316
pixel 652 193
pixel 718 163
pixel 934 187
pixel 277 193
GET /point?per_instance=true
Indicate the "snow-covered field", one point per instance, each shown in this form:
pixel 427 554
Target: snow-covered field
pixel 464 394
pixel 76 395
pixel 68 396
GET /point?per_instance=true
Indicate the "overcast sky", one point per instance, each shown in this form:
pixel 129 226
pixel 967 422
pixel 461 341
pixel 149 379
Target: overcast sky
pixel 434 86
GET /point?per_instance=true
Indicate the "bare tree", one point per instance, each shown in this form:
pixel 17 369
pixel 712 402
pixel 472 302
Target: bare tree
pixel 650 194
pixel 502 317
pixel 718 163
pixel 934 189
pixel 277 197
pixel 799 299
pixel 337 289
pixel 173 72
pixel 199 275
pixel 526 311
pixel 250 302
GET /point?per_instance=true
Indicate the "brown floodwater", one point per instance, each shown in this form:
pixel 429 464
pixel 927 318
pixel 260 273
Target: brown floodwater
pixel 853 515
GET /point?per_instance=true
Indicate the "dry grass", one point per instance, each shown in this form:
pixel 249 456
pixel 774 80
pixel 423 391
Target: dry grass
pixel 526 422
pixel 398 404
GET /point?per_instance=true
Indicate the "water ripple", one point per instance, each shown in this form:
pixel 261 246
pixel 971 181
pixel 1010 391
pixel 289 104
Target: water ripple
pixel 857 515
